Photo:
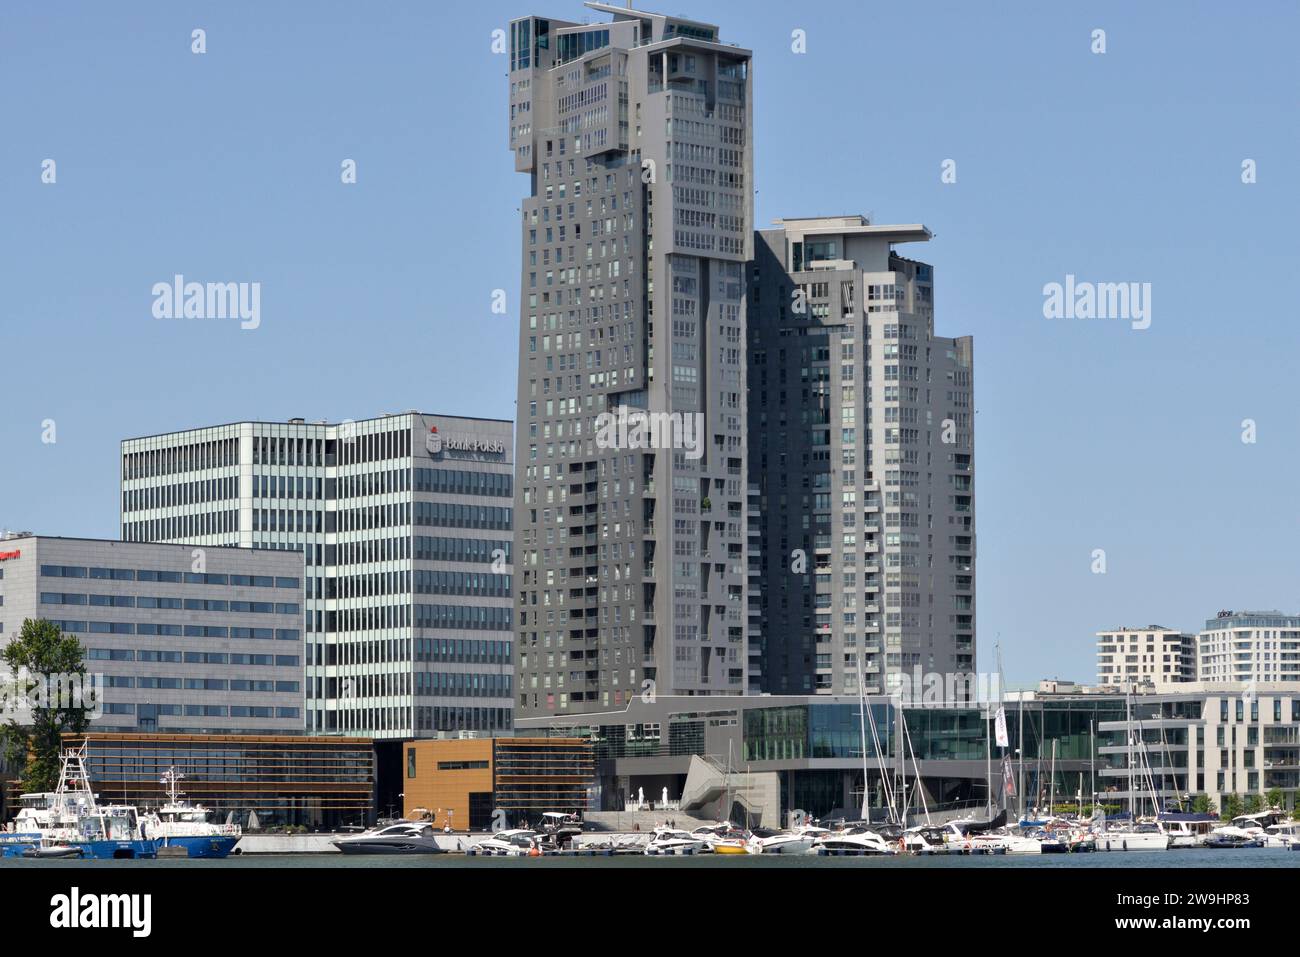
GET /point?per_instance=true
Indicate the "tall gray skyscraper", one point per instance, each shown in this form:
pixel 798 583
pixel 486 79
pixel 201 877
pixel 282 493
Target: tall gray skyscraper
pixel 635 134
pixel 861 444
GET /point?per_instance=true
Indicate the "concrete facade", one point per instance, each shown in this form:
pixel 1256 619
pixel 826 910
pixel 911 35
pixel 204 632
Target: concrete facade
pixel 186 639
pixel 862 445
pixel 1208 737
pixel 636 136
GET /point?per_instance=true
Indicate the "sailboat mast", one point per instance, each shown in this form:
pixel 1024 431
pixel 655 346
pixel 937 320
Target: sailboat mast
pixel 1021 709
pixel 1051 800
pixel 899 724
pixel 988 759
pixel 862 728
pixel 1092 778
pixel 1128 749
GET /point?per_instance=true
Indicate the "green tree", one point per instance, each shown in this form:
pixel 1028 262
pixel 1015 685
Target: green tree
pixel 1202 804
pixel 1254 804
pixel 40 650
pixel 1232 806
pixel 1275 797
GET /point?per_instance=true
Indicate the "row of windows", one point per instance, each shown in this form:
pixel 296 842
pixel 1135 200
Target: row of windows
pixel 183 526
pixel 463 482
pixel 450 515
pixel 462 583
pixel 208 710
pixel 462 719
pixel 463 617
pixel 186 493
pixel 467 650
pixel 201 684
pixel 190 604
pixel 175 631
pixel 1254 709
pixel 438 549
pixel 192 657
pixel 147 575
pixel 439 684
pixel 187 458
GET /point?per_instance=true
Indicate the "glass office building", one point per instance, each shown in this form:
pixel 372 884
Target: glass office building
pixel 403 526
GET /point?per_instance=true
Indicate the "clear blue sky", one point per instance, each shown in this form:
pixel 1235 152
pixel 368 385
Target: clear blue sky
pixel 376 297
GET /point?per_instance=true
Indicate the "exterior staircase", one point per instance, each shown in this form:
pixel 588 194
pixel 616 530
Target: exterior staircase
pixel 644 821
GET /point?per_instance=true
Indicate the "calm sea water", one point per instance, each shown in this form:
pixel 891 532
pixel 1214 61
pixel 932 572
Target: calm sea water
pixel 1191 859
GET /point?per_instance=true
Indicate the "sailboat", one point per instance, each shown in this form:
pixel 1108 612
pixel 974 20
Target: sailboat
pixel 1135 836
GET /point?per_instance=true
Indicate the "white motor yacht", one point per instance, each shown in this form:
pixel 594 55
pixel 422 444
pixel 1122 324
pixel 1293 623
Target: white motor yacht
pixel 1282 834
pixel 510 843
pixel 412 837
pixel 853 839
pixel 794 841
pixel 670 840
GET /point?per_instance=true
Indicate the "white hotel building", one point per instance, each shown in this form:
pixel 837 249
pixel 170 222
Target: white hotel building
pixel 1259 646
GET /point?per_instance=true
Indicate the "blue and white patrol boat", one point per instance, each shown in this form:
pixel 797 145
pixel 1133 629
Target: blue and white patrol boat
pixel 178 823
pixel 70 823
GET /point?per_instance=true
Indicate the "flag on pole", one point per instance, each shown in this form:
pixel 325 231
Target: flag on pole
pixel 1008 779
pixel 1000 729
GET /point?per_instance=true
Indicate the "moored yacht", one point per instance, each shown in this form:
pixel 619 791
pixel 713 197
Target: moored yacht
pixel 854 839
pixel 794 841
pixel 411 837
pixel 1136 837
pixel 1282 834
pixel 670 840
pixel 516 842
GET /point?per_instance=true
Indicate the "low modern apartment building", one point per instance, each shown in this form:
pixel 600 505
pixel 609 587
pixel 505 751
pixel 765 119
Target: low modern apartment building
pixel 185 639
pixel 1152 657
pixel 1250 646
pixel 404 525
pixel 861 443
pixel 1207 737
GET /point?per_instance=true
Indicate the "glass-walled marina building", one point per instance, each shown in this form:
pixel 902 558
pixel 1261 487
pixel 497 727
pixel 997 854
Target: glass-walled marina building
pixel 1062 749
pixel 251 780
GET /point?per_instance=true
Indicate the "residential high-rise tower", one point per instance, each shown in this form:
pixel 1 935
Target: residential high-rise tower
pixel 631 573
pixel 861 443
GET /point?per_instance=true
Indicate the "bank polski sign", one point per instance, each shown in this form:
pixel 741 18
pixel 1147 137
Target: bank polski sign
pixel 435 442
